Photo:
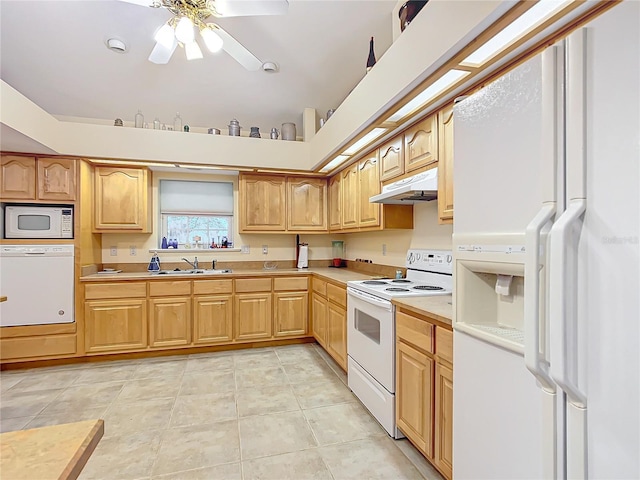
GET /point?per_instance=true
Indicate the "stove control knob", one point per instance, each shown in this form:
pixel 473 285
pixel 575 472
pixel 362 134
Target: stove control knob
pixel 449 258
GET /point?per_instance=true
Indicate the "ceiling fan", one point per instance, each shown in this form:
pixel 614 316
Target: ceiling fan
pixel 189 15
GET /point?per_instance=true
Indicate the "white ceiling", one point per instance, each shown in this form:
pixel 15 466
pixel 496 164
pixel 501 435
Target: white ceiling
pixel 54 53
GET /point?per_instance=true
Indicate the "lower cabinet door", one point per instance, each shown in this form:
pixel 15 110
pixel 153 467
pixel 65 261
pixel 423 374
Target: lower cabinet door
pixel 337 334
pixel 414 396
pixel 212 319
pixel 252 316
pixel 169 321
pixel 319 319
pixel 115 325
pixel 290 314
pixel 444 419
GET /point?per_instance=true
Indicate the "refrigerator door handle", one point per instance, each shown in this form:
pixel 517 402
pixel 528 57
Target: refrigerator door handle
pixel 532 267
pixel 563 331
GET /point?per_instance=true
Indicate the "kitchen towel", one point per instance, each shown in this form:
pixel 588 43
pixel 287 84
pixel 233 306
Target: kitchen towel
pixel 303 256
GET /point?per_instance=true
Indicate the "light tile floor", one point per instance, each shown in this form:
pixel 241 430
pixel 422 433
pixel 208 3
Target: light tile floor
pixel 269 413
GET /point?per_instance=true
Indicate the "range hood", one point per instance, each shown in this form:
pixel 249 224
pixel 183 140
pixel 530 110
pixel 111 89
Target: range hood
pixel 422 187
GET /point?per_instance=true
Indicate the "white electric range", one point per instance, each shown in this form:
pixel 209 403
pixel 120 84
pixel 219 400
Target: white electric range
pixel 371 329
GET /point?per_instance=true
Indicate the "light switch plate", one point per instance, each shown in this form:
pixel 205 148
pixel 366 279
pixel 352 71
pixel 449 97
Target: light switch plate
pixel 113 251
pixel 133 251
pixel 245 249
pixel 265 249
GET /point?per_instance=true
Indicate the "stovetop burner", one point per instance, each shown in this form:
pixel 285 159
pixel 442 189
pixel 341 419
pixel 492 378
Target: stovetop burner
pixel 396 289
pixel 427 287
pixel 373 282
pixel 401 281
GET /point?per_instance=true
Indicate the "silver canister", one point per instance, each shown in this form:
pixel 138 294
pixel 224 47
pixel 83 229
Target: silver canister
pixel 274 133
pixel 288 131
pixel 214 131
pixel 234 128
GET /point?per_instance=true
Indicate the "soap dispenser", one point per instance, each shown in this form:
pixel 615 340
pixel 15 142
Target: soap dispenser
pixel 154 264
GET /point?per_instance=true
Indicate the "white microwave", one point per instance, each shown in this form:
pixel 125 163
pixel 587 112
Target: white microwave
pixel 38 221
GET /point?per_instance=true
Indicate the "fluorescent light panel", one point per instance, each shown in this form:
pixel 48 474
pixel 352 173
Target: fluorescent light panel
pixel 433 90
pixel 368 138
pixel 335 163
pixel 516 29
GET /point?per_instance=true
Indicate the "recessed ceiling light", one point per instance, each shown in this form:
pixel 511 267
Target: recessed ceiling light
pixel 116 45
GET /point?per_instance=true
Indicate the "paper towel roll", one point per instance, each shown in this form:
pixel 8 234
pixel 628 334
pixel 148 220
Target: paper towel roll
pixel 303 256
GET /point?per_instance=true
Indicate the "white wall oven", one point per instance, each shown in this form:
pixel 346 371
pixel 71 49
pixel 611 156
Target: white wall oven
pixel 371 329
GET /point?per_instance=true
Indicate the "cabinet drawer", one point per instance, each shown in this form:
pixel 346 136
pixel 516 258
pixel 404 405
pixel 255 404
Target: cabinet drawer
pixel 337 294
pixel 319 286
pixel 290 283
pixel 444 344
pixel 166 289
pixel 415 331
pixel 95 291
pixel 253 285
pixel 207 287
pixel 29 347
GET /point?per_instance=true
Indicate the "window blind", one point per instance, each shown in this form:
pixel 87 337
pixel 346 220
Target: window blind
pixel 180 196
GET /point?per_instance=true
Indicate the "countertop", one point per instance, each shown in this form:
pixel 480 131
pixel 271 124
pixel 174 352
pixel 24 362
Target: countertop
pixel 339 275
pixel 55 452
pixel 437 307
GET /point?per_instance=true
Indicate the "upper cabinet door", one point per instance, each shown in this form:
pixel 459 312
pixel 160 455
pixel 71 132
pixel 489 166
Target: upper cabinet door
pixel 307 200
pixel 421 144
pixel 445 164
pixel 121 199
pixel 391 159
pixel 18 177
pixel 262 203
pixel 349 197
pixel 369 180
pixel 335 203
pixel 56 179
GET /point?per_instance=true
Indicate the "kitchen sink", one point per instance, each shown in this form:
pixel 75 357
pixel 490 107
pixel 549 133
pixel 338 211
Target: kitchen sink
pixel 195 271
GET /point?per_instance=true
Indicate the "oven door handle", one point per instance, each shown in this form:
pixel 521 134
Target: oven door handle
pixel 367 297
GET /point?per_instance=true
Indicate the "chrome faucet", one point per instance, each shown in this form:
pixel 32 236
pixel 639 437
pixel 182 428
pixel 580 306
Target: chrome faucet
pixel 194 264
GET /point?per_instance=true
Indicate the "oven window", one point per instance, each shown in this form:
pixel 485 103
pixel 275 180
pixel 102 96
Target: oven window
pixel 368 326
pixel 34 222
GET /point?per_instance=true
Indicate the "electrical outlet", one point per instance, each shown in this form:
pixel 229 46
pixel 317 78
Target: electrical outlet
pixel 113 251
pixel 245 249
pixel 133 251
pixel 384 249
pixel 265 249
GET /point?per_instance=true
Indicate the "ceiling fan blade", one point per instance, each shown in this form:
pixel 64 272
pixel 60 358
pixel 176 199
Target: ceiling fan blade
pixel 142 3
pixel 244 8
pixel 234 48
pixel 161 54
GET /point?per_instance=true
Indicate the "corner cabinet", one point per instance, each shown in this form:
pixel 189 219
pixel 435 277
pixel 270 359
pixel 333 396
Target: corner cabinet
pixel 335 203
pixel 122 200
pixel 445 164
pixel 329 319
pixel 30 178
pixel 280 204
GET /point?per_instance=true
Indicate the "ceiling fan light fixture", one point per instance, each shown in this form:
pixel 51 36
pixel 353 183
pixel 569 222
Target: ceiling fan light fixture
pixel 193 51
pixel 211 39
pixel 184 31
pixel 165 36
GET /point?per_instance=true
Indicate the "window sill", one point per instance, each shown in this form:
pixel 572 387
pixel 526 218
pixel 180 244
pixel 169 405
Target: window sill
pixel 191 250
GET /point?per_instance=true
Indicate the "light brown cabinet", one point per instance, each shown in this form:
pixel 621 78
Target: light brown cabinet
pixel 424 387
pixel 391 159
pixel 414 394
pixel 252 316
pixel 121 200
pixel 421 144
pixel 262 201
pixel 272 203
pixel 115 325
pixel 169 322
pixel 290 313
pixel 335 203
pixel 307 204
pixel 29 178
pixel 445 164
pixel 349 182
pixel 329 319
pixel 369 185
pixel 212 319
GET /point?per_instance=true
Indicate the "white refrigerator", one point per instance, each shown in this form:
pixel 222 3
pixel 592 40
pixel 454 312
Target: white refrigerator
pixel 547 263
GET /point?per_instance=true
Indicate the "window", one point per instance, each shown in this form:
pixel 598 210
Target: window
pixel 197 214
